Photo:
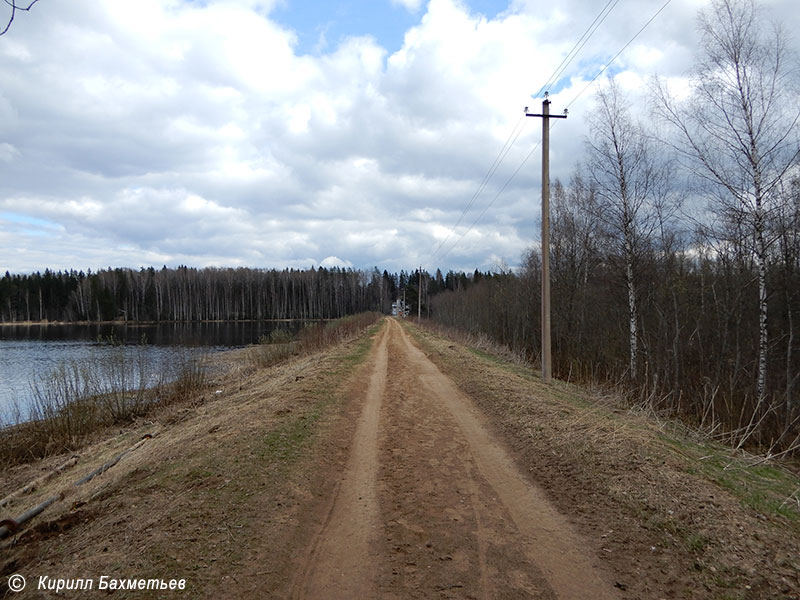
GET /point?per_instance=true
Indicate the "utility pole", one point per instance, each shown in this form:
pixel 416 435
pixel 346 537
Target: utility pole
pixel 546 116
pixel 419 301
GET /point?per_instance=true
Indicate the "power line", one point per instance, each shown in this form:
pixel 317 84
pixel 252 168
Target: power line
pixel 504 151
pixel 598 20
pixel 608 64
pixel 497 195
pixel 590 30
pixel 492 169
pixel 638 33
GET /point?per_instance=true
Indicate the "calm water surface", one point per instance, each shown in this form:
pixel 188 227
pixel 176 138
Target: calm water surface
pixel 31 351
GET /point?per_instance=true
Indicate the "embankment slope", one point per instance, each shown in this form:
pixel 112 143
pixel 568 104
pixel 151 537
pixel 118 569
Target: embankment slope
pixel 404 464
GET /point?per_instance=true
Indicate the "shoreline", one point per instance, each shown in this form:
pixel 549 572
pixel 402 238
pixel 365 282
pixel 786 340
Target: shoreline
pixel 150 323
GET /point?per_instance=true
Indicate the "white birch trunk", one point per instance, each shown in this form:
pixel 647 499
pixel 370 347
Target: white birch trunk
pixel 633 317
pixel 761 260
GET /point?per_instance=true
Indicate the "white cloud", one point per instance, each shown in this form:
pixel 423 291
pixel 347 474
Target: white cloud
pixel 411 6
pixel 335 261
pixel 174 132
pixel 8 152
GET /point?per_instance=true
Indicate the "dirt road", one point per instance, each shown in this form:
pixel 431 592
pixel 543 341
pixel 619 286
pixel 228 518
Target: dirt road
pixel 431 505
pixel 363 471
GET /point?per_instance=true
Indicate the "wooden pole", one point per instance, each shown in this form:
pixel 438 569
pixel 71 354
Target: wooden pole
pixel 546 346
pixel 419 299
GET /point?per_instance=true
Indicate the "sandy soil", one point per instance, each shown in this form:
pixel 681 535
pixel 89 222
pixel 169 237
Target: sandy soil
pixel 340 561
pixel 399 467
pixel 431 505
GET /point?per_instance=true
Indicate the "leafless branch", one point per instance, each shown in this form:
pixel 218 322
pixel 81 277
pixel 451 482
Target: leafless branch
pixel 14 8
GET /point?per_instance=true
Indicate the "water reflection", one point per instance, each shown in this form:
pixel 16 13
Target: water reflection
pixel 28 351
pixel 225 334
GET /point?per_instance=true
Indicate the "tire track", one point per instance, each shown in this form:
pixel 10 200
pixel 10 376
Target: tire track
pixel 338 563
pixel 447 536
pixel 544 535
pixel 431 505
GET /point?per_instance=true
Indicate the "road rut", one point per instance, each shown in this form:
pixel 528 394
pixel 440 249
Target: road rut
pixel 432 505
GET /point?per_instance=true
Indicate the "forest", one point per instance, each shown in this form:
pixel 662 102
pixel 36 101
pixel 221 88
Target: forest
pixel 675 250
pixel 208 294
pixel 675 255
pixel 696 348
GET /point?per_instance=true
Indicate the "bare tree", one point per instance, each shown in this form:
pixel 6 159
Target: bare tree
pixel 740 130
pixel 787 227
pixel 574 257
pixel 14 8
pixel 624 177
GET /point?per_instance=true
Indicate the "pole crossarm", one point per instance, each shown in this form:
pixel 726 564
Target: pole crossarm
pixel 527 114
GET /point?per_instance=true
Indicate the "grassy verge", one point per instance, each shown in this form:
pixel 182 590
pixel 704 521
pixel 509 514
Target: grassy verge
pixel 215 497
pixel 289 441
pixel 671 512
pixel 279 346
pixel 769 486
pixel 77 400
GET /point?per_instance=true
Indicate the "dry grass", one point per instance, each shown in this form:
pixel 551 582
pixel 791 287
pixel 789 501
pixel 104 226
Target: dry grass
pixel 662 503
pixel 476 341
pixel 213 495
pixel 76 400
pixel 279 345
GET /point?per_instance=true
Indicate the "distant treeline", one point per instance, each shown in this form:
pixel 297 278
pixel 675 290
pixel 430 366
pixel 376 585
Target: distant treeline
pixel 190 294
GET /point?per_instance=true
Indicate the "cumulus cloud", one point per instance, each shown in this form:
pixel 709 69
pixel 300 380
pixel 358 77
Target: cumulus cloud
pixel 412 6
pixel 335 261
pixel 197 133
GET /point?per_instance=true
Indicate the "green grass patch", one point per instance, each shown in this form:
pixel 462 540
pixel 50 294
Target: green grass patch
pixel 490 358
pixel 290 439
pixel 286 443
pixel 350 361
pixel 765 488
pixel 695 542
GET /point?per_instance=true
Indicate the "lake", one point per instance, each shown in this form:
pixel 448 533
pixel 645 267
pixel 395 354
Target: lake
pixel 31 351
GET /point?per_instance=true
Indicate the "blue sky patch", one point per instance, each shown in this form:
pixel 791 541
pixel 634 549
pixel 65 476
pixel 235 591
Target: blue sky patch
pixel 322 27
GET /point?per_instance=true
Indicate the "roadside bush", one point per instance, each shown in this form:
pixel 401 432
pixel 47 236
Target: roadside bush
pixel 313 337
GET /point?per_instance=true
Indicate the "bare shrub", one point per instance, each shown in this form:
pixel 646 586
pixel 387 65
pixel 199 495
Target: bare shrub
pixel 313 337
pixel 77 398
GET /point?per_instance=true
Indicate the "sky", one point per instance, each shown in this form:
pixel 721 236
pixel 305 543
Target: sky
pixel 283 133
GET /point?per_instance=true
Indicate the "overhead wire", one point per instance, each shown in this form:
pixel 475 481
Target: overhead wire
pixel 608 64
pixel 512 138
pixel 598 21
pixel 527 157
pixel 497 195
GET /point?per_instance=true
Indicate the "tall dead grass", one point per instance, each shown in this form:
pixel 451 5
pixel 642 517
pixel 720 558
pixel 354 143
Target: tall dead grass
pixel 478 341
pixel 77 398
pixel 313 337
pixel 764 430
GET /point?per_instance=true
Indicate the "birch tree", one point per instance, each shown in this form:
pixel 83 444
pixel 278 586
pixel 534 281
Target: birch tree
pixel 739 131
pixel 623 174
